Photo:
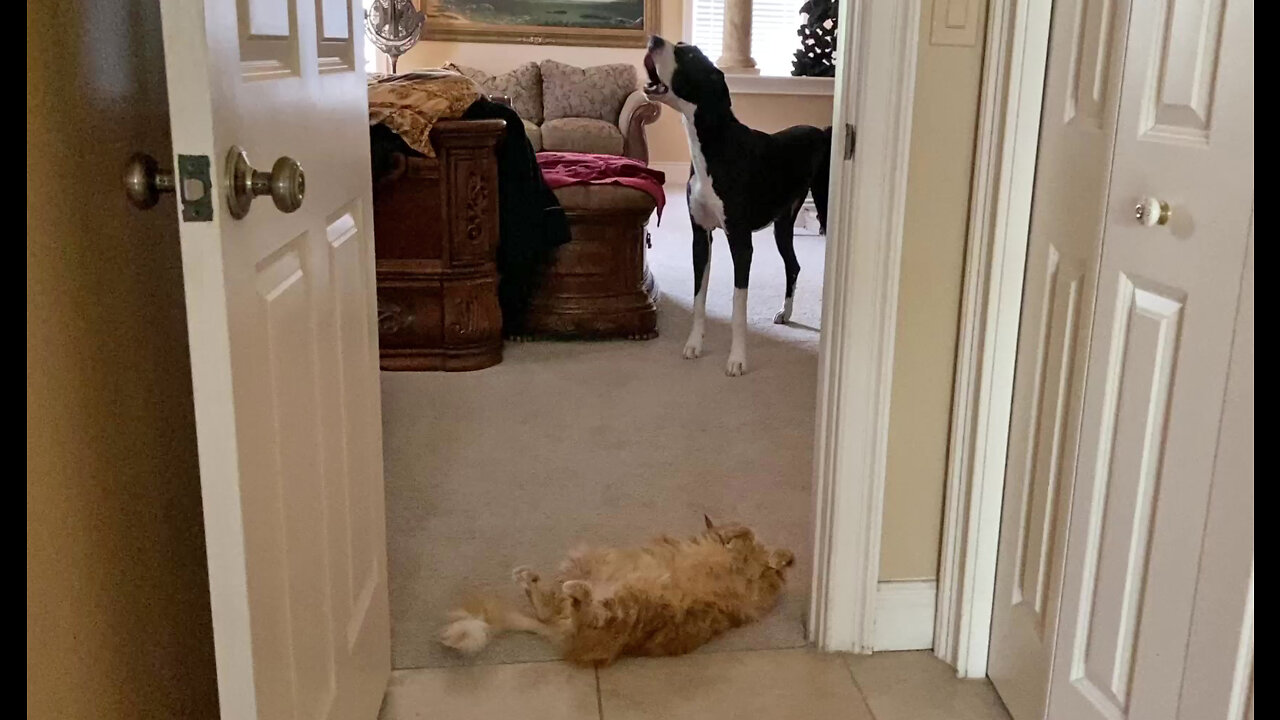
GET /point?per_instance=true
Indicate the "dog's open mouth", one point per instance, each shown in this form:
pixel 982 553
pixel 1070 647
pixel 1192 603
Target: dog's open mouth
pixel 655 85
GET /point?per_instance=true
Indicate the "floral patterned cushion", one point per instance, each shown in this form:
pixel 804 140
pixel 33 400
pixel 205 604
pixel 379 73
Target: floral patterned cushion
pixel 534 133
pixel 523 85
pixel 579 134
pixel 595 92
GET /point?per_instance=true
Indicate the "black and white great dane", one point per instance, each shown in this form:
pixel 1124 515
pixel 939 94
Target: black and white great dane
pixel 740 181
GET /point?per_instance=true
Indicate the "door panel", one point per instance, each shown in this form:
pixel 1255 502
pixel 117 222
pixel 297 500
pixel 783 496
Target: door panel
pixel 1168 297
pixel 1144 336
pixel 1222 620
pixel 1069 200
pixel 284 358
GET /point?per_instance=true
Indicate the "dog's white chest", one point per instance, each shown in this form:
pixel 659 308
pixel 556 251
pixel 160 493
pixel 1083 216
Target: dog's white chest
pixel 705 206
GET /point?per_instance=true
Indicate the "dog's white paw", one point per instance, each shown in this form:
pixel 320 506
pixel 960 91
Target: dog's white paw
pixel 784 315
pixel 693 349
pixel 737 364
pixel 524 575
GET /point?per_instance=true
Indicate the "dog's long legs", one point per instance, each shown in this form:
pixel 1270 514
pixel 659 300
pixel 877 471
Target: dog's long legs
pixel 701 276
pixel 740 248
pixel 784 234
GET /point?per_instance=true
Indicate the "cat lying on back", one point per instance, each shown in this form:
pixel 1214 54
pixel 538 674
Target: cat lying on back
pixel 665 598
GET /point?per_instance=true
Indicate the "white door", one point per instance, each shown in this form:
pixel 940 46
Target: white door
pixel 280 308
pixel 1219 665
pixel 1077 132
pixel 1140 556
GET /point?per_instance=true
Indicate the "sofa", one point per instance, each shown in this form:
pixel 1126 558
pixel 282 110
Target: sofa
pixel 570 109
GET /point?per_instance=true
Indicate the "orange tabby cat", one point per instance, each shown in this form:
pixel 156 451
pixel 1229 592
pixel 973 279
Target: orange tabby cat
pixel 665 598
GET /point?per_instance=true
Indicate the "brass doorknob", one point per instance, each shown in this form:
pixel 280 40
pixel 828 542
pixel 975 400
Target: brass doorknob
pixel 145 182
pixel 286 183
pixel 1152 211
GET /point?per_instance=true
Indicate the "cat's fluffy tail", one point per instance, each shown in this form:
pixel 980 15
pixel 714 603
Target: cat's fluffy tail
pixel 472 626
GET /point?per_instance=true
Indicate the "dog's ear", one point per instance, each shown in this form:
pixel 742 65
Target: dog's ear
pixel 707 520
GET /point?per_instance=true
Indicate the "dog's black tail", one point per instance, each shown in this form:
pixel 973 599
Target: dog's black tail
pixel 821 179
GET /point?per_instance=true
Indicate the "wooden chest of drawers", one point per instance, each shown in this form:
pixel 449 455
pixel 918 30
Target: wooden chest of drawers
pixel 436 240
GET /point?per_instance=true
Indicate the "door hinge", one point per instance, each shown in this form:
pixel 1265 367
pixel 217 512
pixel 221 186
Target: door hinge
pixel 195 188
pixel 850 140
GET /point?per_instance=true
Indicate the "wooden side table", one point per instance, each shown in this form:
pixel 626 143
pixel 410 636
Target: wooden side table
pixel 599 285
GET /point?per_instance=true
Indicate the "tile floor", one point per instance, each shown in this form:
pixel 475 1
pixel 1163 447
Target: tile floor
pixel 766 684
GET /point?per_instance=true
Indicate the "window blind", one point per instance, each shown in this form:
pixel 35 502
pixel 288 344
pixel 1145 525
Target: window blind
pixel 773 32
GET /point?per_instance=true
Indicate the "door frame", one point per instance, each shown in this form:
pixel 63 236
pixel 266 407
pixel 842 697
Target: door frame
pixel 986 351
pixel 874 92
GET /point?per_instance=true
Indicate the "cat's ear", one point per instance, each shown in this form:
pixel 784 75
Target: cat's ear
pixel 707 520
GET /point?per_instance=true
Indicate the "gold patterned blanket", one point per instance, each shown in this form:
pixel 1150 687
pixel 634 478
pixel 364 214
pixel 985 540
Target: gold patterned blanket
pixel 411 103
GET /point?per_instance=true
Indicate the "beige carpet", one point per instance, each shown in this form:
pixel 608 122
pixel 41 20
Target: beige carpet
pixel 605 442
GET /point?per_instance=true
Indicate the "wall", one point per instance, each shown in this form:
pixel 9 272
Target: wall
pixel 667 140
pixel 948 81
pixel 118 621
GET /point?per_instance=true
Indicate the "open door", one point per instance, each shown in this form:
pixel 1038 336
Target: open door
pixel 280 309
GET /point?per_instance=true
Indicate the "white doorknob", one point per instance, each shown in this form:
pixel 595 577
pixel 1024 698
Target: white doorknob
pixel 1152 211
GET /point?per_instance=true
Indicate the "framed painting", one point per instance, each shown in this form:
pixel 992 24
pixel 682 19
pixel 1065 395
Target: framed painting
pixel 595 23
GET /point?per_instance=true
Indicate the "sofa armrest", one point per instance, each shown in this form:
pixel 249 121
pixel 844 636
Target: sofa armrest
pixel 637 112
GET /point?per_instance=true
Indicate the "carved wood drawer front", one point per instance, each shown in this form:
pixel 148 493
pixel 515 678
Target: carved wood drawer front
pixel 473 206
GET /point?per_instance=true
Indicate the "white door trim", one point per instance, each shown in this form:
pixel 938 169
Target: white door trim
pixel 1000 214
pixel 874 92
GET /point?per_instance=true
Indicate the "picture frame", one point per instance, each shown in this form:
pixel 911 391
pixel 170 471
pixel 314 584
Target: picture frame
pixel 590 23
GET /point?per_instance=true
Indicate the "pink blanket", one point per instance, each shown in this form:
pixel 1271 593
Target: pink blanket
pixel 564 168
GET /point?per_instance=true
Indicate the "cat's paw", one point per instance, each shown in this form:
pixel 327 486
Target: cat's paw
pixel 780 559
pixel 578 590
pixel 524 575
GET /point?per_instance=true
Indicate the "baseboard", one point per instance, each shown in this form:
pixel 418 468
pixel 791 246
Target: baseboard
pixel 677 172
pixel 904 614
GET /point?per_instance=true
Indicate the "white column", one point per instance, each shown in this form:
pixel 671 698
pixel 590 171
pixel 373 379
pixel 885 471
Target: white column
pixel 736 50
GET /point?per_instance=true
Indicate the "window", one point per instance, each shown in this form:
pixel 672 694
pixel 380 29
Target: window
pixel 774 24
pixel 372 58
